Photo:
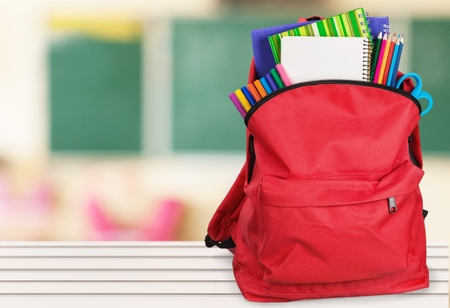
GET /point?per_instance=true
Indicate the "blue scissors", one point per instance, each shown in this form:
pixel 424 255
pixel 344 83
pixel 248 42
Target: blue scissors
pixel 417 91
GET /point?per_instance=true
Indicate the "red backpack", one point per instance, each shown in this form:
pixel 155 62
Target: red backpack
pixel 327 203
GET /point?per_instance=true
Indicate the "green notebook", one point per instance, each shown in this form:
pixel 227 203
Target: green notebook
pixel 350 24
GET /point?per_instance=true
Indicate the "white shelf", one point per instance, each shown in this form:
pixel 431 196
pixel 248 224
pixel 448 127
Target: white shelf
pixel 160 274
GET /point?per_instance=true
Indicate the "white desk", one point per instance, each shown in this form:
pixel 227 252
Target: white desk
pixel 160 274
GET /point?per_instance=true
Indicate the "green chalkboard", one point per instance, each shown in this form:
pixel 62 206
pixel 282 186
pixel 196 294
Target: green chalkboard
pixel 211 60
pixel 431 60
pixel 95 86
pixel 95 95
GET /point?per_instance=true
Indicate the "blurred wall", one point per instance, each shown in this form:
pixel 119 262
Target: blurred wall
pixel 200 180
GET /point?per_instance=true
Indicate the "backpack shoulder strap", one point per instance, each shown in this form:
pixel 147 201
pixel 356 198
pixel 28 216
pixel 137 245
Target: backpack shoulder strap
pixel 227 214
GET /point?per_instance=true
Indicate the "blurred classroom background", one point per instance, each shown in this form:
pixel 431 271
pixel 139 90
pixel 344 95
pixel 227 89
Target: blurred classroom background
pixel 115 122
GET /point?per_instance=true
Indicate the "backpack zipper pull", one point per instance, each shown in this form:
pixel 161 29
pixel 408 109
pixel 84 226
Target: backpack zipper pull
pixel 392 205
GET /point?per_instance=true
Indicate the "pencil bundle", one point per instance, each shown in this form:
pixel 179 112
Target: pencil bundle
pixel 386 58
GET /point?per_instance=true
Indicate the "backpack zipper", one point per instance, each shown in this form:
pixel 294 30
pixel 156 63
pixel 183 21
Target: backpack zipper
pixel 320 82
pixel 252 159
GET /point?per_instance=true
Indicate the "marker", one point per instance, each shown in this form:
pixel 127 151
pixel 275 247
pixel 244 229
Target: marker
pixel 277 78
pixel 266 85
pixel 271 82
pixel 259 86
pixel 254 92
pixel 283 75
pixel 237 104
pixel 248 95
pixel 242 99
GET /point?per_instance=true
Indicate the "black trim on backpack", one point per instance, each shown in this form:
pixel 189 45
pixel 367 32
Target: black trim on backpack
pixel 331 81
pixel 209 242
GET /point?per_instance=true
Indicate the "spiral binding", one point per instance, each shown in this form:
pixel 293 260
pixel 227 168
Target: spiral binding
pixel 367 59
pixel 364 25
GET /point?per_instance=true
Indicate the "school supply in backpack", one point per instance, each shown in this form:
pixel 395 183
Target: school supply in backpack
pixel 308 58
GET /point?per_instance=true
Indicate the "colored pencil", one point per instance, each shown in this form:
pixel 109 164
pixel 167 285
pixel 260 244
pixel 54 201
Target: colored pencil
pixel 389 59
pixel 393 62
pixel 375 55
pixel 384 60
pixel 380 59
pixel 397 62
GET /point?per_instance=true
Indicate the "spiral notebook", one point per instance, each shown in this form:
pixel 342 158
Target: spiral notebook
pixel 308 58
pixel 349 24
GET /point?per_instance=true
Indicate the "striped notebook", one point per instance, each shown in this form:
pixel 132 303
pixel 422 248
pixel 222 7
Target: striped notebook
pixel 350 24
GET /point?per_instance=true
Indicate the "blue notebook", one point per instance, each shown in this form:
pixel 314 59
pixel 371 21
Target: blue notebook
pixel 262 53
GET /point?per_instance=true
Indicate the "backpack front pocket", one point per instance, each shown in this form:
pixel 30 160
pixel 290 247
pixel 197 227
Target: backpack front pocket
pixel 335 230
